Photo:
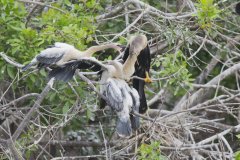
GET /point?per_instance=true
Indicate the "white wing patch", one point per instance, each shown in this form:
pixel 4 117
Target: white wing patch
pixel 63 45
pixel 52 52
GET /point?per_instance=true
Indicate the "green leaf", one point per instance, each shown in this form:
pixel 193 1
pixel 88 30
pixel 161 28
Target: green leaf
pixel 237 155
pixel 43 73
pixel 28 154
pixel 65 108
pixel 10 72
pixel 32 77
pixel 238 136
pixel 3 69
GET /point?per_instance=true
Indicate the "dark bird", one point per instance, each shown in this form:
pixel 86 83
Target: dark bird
pixel 61 53
pixel 237 8
pixel 138 47
pixel 119 96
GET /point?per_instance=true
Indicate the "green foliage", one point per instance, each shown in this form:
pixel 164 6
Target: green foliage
pixel 150 151
pixel 175 70
pixel 22 40
pixel 237 154
pixel 206 13
pixel 24 142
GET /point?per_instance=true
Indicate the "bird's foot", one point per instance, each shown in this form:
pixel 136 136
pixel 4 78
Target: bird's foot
pixel 147 79
pixel 54 89
pixel 50 83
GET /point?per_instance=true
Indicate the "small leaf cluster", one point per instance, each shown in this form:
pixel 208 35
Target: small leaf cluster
pixel 150 151
pixel 174 69
pixel 206 13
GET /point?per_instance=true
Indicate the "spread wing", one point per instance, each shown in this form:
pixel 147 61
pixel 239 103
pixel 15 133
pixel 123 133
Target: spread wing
pixel 66 72
pixel 54 54
pixel 49 56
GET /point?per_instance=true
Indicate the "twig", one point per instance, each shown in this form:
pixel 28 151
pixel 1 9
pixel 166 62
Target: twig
pixel 78 157
pixel 76 143
pixel 42 4
pixel 3 107
pixel 214 137
pixel 113 11
pixel 91 85
pixel 130 25
pixel 9 60
pixel 36 105
pixel 105 141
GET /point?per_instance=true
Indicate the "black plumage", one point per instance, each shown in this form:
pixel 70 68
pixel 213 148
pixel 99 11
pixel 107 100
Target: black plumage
pixel 67 71
pixel 142 66
pixel 237 8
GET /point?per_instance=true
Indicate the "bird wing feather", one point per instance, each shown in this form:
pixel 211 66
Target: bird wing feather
pixel 50 55
pixel 114 95
pixel 66 71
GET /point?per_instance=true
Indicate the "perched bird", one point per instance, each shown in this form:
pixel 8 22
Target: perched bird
pixel 138 51
pixel 119 96
pixel 61 53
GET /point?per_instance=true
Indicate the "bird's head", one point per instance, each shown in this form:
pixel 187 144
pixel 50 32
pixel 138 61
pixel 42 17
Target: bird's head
pixel 137 44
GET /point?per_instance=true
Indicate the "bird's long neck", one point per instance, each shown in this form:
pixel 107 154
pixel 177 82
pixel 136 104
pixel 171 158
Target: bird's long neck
pixel 118 71
pixel 128 66
pixel 77 54
pixel 90 51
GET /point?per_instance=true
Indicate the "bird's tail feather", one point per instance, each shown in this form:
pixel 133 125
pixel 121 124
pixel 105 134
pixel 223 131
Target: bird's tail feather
pixel 135 122
pixel 143 104
pixel 139 86
pixel 124 128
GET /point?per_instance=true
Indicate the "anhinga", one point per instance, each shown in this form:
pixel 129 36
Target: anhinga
pixel 119 96
pixel 61 53
pixel 138 45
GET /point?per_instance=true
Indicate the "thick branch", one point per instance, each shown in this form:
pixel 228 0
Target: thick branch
pixel 205 92
pixel 36 105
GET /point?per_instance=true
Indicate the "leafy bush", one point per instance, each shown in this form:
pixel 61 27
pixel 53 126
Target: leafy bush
pixel 151 151
pixel 206 13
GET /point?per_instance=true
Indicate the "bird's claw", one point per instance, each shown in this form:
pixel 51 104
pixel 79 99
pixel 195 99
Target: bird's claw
pixel 50 83
pixel 147 79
